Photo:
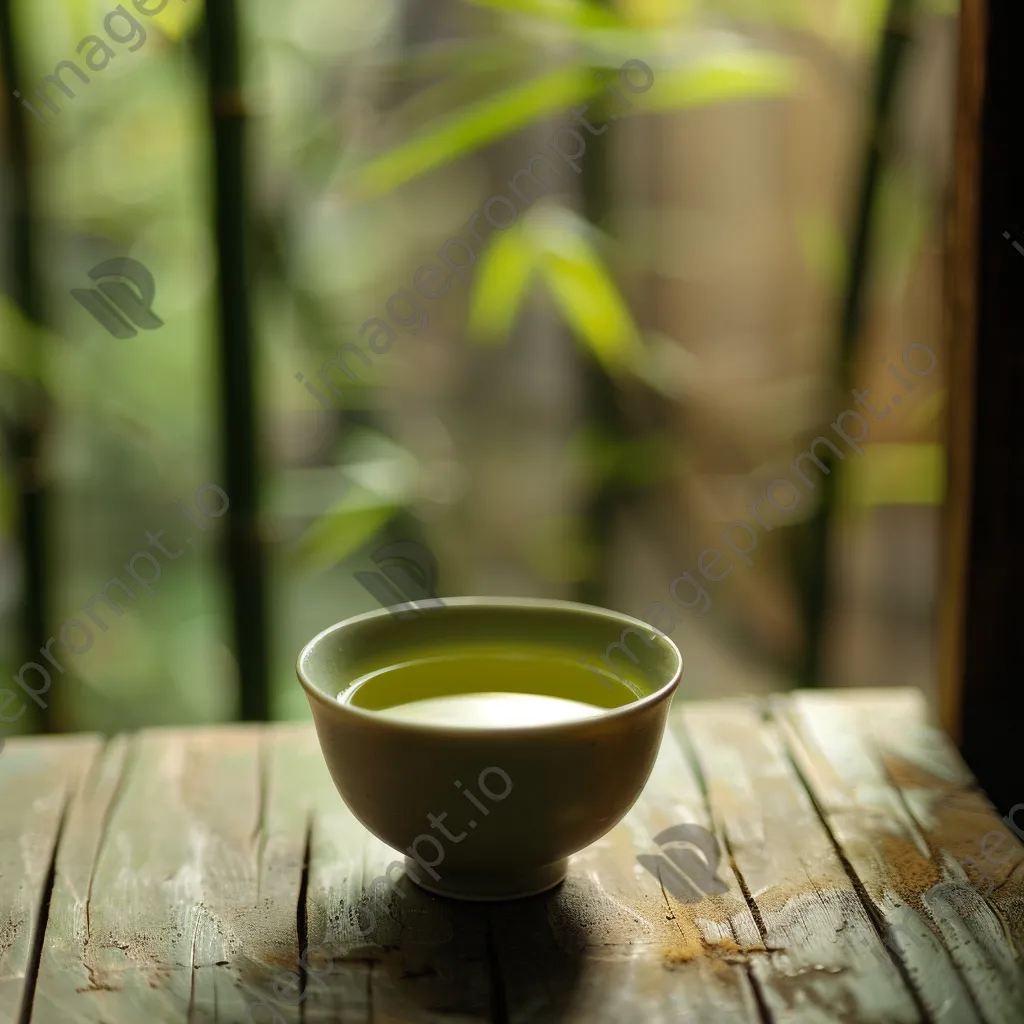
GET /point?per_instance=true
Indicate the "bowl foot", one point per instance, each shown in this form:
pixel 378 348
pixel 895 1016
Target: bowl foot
pixel 463 886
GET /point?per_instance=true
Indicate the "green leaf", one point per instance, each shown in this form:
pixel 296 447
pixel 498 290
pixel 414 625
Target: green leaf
pixel 382 475
pixel 849 26
pixel 584 290
pixel 591 304
pixel 554 241
pixel 500 285
pixel 343 528
pixel 454 135
pixel 576 13
pixel 452 90
pixel 719 78
pixel 374 462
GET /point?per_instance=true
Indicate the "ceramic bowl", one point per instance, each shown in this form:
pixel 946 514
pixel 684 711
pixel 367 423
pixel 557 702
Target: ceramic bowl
pixel 483 812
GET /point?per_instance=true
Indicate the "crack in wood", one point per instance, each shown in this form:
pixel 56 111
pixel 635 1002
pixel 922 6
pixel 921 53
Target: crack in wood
pixel 259 831
pixel 128 762
pixel 43 916
pixel 301 920
pixel 192 958
pixel 868 904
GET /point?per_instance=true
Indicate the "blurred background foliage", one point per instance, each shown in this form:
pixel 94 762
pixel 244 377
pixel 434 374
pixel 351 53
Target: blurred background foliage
pixel 621 375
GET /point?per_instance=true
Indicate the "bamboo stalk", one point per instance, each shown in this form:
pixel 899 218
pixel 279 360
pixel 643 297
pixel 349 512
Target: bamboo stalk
pixel 239 437
pixel 26 430
pixel 810 544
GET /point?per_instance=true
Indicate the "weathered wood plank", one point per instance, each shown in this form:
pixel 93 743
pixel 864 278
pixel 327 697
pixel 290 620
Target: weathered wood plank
pixel 920 858
pixel 615 944
pixel 610 942
pixel 162 900
pixel 829 961
pixel 422 958
pixel 269 972
pixel 946 800
pixel 182 890
pixel 880 842
pixel 38 778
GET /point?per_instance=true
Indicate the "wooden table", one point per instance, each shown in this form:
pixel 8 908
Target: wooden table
pixel 177 874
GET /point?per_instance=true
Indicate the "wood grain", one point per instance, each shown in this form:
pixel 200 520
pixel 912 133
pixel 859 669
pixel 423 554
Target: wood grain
pixel 387 954
pixel 214 876
pixel 38 778
pixel 830 962
pixel 163 898
pixel 614 943
pixel 905 826
pixel 960 867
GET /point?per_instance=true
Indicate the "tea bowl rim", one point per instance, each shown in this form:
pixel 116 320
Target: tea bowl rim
pixel 620 619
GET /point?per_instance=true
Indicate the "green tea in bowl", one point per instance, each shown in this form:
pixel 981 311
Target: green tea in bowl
pixel 500 687
pixel 490 738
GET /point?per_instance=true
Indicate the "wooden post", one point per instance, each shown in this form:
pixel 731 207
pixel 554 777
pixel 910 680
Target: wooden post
pixel 239 437
pixel 982 649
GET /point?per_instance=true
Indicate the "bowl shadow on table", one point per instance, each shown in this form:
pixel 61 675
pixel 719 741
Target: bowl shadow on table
pixel 423 956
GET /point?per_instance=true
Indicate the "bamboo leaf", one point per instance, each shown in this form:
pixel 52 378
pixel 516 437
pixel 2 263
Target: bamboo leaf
pixel 591 304
pixel 342 529
pixel 454 135
pixel 659 13
pixel 720 78
pixel 850 26
pixel 576 13
pixel 500 286
pixel 382 477
pixel 376 463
